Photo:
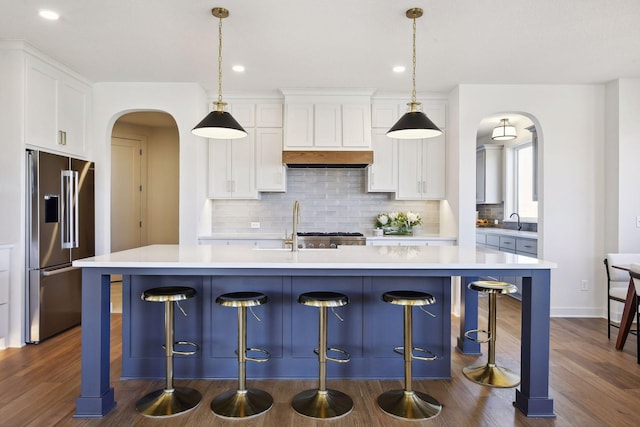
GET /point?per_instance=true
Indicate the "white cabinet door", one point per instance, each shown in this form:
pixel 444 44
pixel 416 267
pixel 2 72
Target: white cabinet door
pixel 245 114
pixel 356 125
pixel 327 126
pixel 410 165
pixel 383 173
pixel 433 175
pixel 41 122
pixel 232 168
pixel 298 130
pixel 56 109
pixel 421 169
pixel 384 114
pixel 270 172
pixel 269 116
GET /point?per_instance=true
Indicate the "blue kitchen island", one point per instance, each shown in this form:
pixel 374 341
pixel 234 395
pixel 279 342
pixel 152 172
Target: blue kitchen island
pixel 288 330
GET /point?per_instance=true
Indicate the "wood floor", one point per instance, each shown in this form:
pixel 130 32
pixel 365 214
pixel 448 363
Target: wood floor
pixel 592 384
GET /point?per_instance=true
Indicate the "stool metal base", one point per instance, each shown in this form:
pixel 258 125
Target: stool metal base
pixel 412 405
pixel 322 404
pixel 168 403
pixel 492 375
pixel 241 403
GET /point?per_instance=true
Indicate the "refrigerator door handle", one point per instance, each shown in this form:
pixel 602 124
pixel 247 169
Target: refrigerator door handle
pixel 58 271
pixel 69 224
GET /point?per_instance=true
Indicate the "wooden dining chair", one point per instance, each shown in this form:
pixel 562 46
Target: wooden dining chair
pixel 634 272
pixel 617 284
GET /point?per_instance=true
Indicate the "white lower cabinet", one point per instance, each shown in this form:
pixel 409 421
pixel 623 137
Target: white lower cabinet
pixel 421 169
pixel 232 172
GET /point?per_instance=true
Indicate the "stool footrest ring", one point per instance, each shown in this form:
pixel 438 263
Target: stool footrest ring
pixel 468 336
pixel 258 359
pixel 432 355
pixel 345 359
pixel 184 353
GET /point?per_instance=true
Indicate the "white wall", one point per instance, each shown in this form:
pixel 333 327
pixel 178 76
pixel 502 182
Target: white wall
pixel 570 123
pixel 187 104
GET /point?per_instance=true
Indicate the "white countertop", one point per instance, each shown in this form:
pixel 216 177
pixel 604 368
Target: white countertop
pixel 507 232
pixel 412 237
pixel 345 257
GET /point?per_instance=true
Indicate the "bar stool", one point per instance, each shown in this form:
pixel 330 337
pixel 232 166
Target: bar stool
pixel 243 402
pixel 407 403
pixel 322 402
pixel 171 400
pixel 490 374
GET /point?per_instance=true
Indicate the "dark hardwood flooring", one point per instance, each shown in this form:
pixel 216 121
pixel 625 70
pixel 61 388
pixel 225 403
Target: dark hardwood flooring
pixel 592 384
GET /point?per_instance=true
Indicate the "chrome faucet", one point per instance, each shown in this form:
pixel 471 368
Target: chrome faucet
pixel 294 234
pixel 518 216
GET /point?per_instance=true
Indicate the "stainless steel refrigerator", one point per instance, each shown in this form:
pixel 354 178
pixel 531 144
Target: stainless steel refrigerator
pixel 60 228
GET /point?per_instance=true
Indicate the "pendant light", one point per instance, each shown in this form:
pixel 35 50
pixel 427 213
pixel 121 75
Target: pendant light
pixel 414 124
pixel 504 131
pixel 219 124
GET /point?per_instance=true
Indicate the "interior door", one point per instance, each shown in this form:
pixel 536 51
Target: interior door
pixel 126 190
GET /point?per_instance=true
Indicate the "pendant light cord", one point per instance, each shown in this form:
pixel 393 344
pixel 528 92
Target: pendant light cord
pixel 413 91
pixel 220 63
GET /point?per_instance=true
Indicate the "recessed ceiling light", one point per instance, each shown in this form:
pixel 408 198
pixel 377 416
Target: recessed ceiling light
pixel 238 68
pixel 399 69
pixel 49 14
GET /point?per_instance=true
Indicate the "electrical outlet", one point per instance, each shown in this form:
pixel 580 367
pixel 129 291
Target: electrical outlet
pixel 255 225
pixel 638 221
pixel 584 285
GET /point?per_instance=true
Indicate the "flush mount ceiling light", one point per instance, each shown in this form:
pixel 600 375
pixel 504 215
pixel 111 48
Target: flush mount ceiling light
pixel 504 131
pixel 414 124
pixel 219 124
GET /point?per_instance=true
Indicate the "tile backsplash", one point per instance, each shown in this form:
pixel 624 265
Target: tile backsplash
pixel 494 212
pixel 330 200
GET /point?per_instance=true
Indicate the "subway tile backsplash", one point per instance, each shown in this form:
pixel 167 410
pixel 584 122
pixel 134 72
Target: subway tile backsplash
pixel 330 200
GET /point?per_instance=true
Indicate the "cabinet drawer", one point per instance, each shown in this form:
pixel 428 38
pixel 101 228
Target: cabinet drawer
pixel 507 244
pixel 481 239
pixel 527 246
pixel 493 240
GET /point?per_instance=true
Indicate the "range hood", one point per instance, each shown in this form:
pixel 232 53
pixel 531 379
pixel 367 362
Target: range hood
pixel 327 159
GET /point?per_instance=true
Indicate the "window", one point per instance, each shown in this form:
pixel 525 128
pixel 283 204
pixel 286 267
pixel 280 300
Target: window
pixel 523 179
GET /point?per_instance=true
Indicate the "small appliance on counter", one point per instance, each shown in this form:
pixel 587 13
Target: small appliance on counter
pixel 60 228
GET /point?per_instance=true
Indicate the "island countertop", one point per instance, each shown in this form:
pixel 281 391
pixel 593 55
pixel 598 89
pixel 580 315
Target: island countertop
pixel 345 257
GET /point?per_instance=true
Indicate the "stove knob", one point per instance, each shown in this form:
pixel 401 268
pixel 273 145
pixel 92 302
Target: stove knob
pixel 334 246
pixel 310 245
pixel 321 245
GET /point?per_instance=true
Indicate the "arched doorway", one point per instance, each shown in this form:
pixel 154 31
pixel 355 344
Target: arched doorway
pixel 144 183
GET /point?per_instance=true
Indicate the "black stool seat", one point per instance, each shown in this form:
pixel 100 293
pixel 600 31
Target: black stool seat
pixel 171 400
pixel 408 298
pixel 242 299
pixel 323 299
pixel 490 374
pixel 491 286
pixel 168 293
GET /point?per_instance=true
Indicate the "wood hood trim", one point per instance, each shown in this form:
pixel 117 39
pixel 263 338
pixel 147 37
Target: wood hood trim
pixel 327 158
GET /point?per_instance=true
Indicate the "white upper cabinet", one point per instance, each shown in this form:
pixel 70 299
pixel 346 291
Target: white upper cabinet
pixel 232 171
pixel 327 120
pixel 57 109
pixel 383 173
pixel 421 169
pixel 271 174
pixel 489 174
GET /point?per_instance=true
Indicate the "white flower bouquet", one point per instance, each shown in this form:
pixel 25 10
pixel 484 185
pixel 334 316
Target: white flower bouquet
pixel 398 222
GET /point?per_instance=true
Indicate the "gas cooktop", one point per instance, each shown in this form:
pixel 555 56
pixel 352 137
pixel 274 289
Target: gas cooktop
pixel 330 240
pixel 330 234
